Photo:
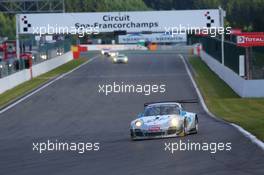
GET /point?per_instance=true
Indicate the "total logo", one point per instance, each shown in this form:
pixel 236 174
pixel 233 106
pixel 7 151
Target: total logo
pixel 240 39
pixel 245 39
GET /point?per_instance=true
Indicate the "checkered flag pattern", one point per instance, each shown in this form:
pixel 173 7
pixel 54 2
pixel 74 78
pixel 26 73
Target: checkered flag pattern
pixel 26 25
pixel 210 21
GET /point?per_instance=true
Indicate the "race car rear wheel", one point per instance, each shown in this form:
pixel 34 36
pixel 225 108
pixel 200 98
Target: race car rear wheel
pixel 196 125
pixel 184 129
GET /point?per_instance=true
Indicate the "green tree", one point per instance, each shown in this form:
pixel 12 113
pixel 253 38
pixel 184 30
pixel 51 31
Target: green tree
pixel 104 5
pixel 7 26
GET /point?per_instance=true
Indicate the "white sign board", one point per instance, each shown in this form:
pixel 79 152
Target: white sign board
pixel 114 47
pixel 155 37
pixel 241 65
pixel 155 21
pixel 48 37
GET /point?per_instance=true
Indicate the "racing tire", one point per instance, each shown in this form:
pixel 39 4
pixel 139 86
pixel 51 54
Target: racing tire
pixel 184 129
pixel 132 137
pixel 196 126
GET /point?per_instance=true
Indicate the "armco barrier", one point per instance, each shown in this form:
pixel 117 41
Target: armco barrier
pixel 15 79
pixel 244 88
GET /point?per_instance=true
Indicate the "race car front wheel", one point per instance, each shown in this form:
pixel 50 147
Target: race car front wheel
pixel 131 134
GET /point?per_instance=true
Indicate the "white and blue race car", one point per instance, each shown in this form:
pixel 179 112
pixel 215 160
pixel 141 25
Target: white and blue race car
pixel 162 120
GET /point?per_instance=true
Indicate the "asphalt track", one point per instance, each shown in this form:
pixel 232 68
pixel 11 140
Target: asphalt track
pixel 71 109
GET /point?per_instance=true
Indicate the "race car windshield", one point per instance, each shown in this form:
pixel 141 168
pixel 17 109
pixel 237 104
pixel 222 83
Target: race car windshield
pixel 161 110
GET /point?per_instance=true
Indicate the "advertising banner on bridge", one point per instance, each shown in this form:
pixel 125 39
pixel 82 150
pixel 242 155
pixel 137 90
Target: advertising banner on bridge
pixel 155 21
pixel 250 39
pixel 155 37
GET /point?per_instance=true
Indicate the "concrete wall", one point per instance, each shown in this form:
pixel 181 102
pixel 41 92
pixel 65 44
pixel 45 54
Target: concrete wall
pixel 244 88
pixel 15 79
pixel 48 65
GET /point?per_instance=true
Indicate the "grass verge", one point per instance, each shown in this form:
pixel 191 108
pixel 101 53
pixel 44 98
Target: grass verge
pixel 225 103
pixel 28 86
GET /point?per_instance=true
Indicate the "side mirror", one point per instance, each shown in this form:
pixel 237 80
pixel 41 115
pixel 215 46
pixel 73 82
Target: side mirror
pixel 140 115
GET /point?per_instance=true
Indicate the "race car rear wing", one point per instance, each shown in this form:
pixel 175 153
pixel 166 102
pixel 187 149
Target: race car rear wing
pixel 176 101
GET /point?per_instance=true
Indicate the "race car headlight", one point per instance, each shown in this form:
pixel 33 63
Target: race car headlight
pixel 126 59
pixel 44 57
pixel 138 123
pixel 174 122
pixel 114 59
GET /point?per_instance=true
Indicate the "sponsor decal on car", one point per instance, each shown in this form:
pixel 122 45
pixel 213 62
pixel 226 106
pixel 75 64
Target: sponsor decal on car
pixel 154 128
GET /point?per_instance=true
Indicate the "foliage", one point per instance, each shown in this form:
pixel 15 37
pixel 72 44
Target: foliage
pixel 7 26
pixel 244 14
pixel 104 5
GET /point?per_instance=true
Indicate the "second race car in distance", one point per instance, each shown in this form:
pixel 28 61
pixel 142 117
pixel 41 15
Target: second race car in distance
pixel 121 58
pixel 105 52
pixel 163 119
pixel 113 54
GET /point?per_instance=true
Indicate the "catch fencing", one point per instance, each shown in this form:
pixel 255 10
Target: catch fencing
pixel 212 46
pixel 38 52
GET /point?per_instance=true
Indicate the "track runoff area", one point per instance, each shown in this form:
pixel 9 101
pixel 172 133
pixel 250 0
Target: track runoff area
pixel 72 126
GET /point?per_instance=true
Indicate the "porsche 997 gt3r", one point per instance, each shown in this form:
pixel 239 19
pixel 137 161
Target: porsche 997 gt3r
pixel 120 59
pixel 163 119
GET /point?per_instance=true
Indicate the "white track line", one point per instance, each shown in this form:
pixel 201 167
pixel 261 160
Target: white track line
pixel 44 86
pixel 239 128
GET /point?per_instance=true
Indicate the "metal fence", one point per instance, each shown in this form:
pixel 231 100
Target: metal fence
pixel 39 53
pixel 212 46
pixel 257 62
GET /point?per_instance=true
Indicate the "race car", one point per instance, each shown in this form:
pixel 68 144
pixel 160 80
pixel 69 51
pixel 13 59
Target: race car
pixel 60 51
pixel 120 59
pixel 113 54
pixel 105 52
pixel 109 53
pixel 163 120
